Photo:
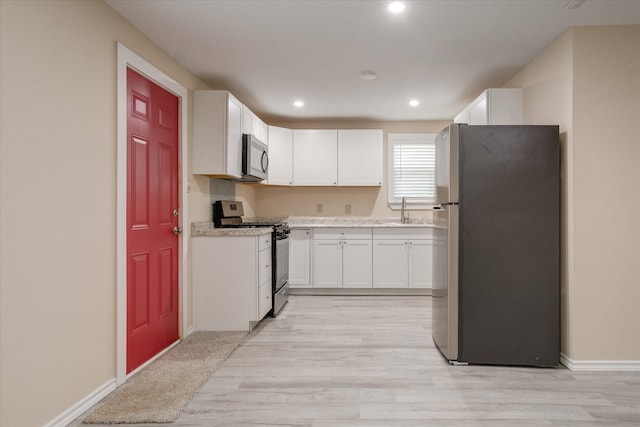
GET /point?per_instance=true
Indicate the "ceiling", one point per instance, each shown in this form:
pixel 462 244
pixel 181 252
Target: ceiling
pixel 269 53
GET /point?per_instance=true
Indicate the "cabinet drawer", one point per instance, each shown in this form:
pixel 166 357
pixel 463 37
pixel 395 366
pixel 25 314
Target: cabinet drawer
pixel 342 233
pixel 403 233
pixel 264 266
pixel 264 299
pixel 264 242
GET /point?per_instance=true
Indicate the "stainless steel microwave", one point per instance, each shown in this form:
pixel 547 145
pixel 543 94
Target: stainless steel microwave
pixel 255 159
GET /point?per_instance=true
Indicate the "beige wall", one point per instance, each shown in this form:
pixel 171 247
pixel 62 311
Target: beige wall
pixel 588 82
pixel 58 211
pixel 364 201
pixel 606 158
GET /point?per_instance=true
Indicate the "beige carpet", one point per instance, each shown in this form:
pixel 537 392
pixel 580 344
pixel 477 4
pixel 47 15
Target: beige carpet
pixel 160 392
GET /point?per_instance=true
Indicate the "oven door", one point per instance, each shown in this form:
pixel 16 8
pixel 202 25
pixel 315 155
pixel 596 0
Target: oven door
pixel 282 262
pixel 281 275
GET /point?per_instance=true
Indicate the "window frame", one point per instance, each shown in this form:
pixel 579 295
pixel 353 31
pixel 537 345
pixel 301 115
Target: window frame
pixel 407 138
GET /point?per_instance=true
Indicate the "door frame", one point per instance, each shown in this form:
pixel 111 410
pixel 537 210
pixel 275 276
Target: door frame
pixel 128 59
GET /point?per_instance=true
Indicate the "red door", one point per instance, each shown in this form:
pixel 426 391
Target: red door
pixel 152 197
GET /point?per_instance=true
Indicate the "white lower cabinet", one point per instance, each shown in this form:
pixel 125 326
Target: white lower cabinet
pixel 421 263
pixel 402 257
pixel 231 281
pixel 390 264
pixel 342 258
pixel 300 258
pixel 356 264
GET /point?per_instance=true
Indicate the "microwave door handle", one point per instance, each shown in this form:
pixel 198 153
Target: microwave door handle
pixel 264 161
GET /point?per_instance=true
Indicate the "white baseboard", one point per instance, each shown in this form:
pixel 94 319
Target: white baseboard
pixel 83 405
pixel 600 365
pixel 191 329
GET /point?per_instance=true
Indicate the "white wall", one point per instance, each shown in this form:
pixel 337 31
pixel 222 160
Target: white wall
pixel 58 210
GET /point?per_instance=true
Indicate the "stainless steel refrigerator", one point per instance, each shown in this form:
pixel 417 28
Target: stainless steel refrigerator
pixel 496 293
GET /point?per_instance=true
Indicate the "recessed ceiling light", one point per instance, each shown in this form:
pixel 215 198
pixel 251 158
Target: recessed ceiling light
pixel 298 104
pixel 368 75
pixel 414 102
pixel 396 7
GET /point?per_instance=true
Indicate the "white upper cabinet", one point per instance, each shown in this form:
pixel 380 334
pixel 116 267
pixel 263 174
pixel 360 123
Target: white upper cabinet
pixel 217 134
pixel 360 157
pixel 247 120
pixel 280 156
pixel 502 106
pixel 260 129
pixel 463 116
pixel 315 154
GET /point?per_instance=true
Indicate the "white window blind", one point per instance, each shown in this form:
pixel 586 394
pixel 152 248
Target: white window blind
pixel 412 160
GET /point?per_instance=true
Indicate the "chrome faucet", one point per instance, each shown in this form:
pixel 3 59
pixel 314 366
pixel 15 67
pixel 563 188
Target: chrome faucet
pixel 403 219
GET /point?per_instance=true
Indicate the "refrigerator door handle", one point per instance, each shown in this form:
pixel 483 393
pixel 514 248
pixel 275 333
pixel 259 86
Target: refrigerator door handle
pixel 441 206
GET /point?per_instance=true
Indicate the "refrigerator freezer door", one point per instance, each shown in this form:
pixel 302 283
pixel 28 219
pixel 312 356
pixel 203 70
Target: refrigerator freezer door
pixel 445 251
pixel 447 148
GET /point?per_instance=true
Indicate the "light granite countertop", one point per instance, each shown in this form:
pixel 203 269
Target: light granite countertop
pixel 355 221
pixel 206 228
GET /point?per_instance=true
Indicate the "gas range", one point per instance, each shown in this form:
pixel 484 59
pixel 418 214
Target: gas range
pixel 228 214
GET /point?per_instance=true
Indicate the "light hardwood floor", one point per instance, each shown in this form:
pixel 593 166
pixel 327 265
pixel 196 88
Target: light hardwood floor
pixel 370 361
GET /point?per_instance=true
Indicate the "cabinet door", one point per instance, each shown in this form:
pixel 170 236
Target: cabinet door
pixel 360 157
pixel 234 136
pixel 504 106
pixel 264 299
pixel 280 156
pixel 420 263
pixel 264 265
pixel 356 264
pixel 217 133
pixel 327 263
pixel 247 120
pixel 300 258
pixel 390 261
pixel 260 129
pixel 315 154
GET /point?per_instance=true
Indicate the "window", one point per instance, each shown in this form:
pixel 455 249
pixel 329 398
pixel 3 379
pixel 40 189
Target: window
pixel 412 169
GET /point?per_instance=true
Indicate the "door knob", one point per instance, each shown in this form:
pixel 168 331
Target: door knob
pixel 177 230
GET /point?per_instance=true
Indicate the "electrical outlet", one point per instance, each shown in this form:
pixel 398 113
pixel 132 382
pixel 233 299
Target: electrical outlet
pixel 347 209
pixel 319 208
